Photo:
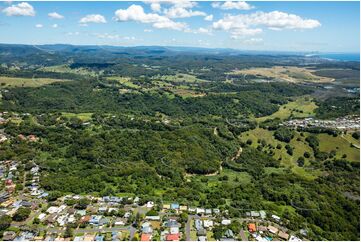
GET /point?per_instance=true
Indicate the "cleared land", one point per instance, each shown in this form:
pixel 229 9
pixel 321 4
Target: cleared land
pixel 181 84
pixel 298 143
pixel 6 82
pixel 339 144
pixel 126 81
pixel 67 69
pixel 302 107
pixel 285 73
pixel 81 116
pixel 180 78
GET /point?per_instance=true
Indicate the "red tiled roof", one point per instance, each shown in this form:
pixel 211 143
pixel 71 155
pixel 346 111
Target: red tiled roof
pixel 252 228
pixel 172 237
pixel 145 237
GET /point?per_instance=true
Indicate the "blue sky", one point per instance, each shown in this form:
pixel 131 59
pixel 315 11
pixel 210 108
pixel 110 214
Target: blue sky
pixel 274 26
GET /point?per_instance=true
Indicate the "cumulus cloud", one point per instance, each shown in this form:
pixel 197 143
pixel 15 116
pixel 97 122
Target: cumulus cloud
pixel 20 9
pixel 156 7
pixel 148 30
pixel 136 13
pixel 251 24
pixel 93 18
pixel 203 31
pixel 181 12
pixel 209 18
pixel 178 3
pixel 38 26
pixel 227 5
pixel 55 15
pixel 237 33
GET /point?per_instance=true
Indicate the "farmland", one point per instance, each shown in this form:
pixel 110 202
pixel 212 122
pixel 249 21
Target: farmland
pixel 12 82
pixel 284 73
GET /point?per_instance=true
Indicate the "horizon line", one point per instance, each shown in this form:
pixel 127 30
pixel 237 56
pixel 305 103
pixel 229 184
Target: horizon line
pixel 195 47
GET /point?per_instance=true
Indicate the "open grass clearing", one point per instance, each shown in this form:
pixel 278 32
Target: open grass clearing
pixel 298 143
pixel 9 82
pixel 340 145
pixel 302 107
pixel 181 77
pixel 285 73
pixel 126 81
pixel 67 69
pixel 81 116
pixel 187 93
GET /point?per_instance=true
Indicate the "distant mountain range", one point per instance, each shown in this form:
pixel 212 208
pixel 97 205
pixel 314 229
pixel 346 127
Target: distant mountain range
pixel 148 49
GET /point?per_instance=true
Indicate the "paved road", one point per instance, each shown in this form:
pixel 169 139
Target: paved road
pixel 243 235
pixel 132 231
pixel 188 226
pixel 92 230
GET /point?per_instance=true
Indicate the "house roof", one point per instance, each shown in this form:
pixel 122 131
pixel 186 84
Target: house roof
pixel 172 237
pixel 283 235
pixel 252 227
pixel 145 237
pixel 262 228
pixel 174 206
pixel 272 229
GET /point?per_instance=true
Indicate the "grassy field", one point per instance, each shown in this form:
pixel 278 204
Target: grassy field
pixel 212 180
pixel 300 108
pixel 298 143
pixel 126 81
pixel 6 82
pixel 67 69
pixel 340 144
pixel 180 78
pixel 285 73
pixel 187 93
pixel 81 116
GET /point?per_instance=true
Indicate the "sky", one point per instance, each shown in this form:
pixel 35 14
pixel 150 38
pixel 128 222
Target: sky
pixel 253 25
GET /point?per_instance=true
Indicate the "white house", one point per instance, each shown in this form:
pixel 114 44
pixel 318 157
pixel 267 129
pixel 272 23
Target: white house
pixel 226 222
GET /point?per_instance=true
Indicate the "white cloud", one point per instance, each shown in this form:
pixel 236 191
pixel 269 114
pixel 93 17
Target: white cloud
pixel 253 41
pixel 55 15
pixel 203 31
pixel 237 33
pixel 227 5
pixel 113 36
pixel 180 12
pixel 38 26
pixel 148 30
pixel 20 9
pixel 136 13
pixel 54 26
pixel 73 33
pixel 209 18
pixel 93 18
pixel 178 3
pixel 250 24
pixel 107 36
pixel 156 7
pixel 129 38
